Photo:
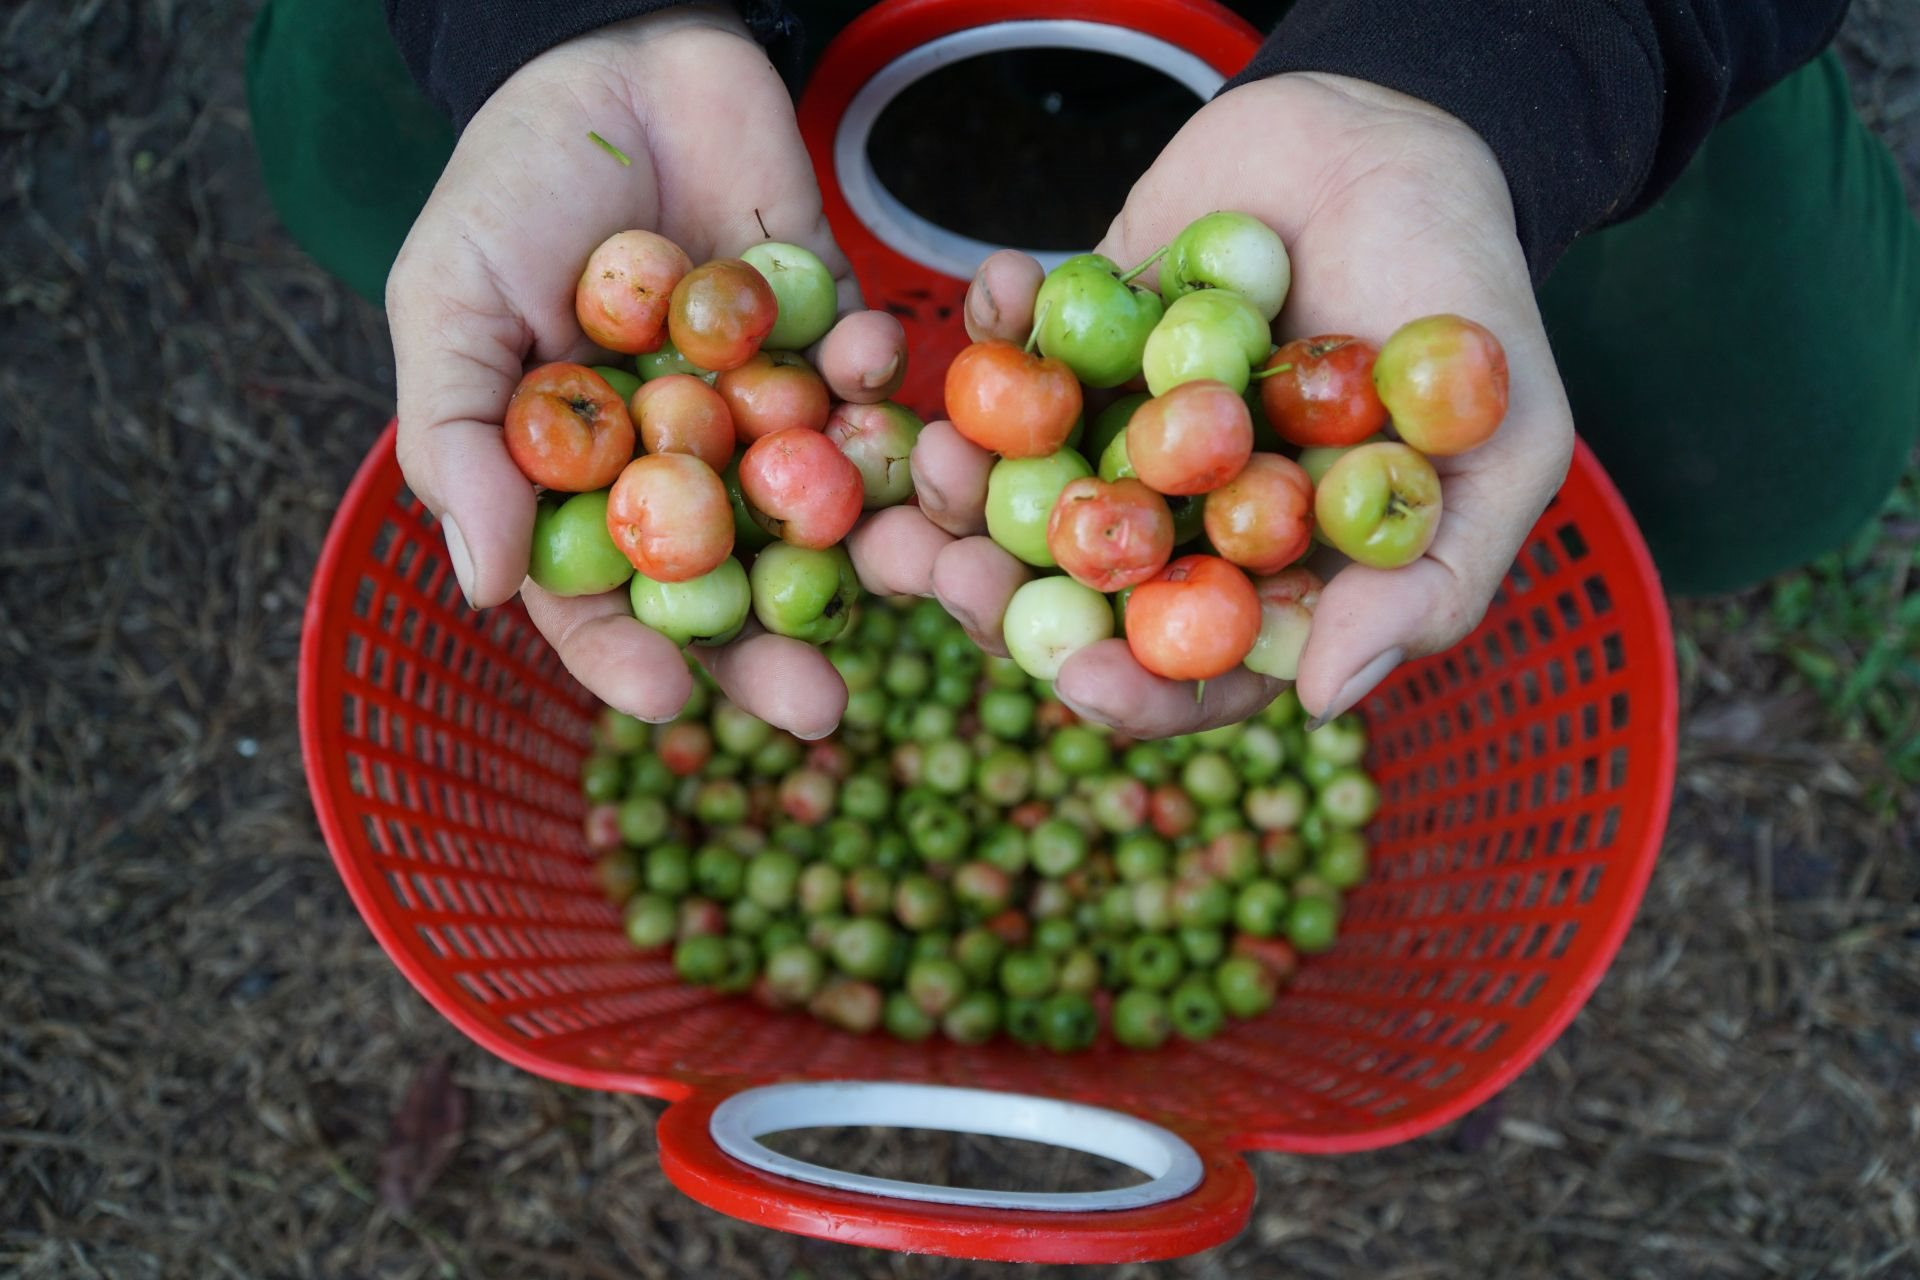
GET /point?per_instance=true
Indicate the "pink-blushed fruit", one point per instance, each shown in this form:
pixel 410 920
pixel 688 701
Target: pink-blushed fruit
pixel 623 293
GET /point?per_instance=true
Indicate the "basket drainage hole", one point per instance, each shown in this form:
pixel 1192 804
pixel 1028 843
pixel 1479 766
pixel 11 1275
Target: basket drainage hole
pixel 943 1159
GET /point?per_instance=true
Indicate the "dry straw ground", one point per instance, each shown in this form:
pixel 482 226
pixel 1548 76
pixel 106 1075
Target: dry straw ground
pixel 201 1048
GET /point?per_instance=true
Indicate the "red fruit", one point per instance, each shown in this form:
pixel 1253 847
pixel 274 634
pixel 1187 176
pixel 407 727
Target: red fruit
pixel 1172 811
pixel 848 1004
pixel 1052 714
pixel 565 428
pixel 603 827
pixel 1030 814
pixel 1277 954
pixel 983 887
pixel 1191 440
pixel 1010 401
pixel 1262 519
pixel 1010 926
pixel 909 764
pixel 701 917
pixel 721 310
pixel 763 798
pixel 669 514
pixel 623 293
pixel 830 758
pixel 682 414
pixel 1110 536
pixel 801 488
pixel 771 392
pixel 1326 398
pixel 685 747
pixel 1444 380
pixel 1195 621
pixel 807 796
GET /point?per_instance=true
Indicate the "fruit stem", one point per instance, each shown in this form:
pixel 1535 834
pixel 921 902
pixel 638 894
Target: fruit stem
pixel 1199 691
pixel 1033 339
pixel 1258 374
pixel 609 148
pixel 1152 258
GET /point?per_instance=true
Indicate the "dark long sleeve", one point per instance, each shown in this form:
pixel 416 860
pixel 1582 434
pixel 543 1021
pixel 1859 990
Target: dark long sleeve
pixel 460 51
pixel 1593 107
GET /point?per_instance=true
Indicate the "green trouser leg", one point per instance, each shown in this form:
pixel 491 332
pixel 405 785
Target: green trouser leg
pixel 1744 358
pixel 348 147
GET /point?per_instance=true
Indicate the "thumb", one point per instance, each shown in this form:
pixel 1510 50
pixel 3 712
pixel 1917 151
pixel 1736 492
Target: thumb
pixel 458 349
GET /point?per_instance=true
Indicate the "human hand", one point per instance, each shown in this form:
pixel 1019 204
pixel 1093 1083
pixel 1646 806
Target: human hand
pixel 485 284
pixel 1390 210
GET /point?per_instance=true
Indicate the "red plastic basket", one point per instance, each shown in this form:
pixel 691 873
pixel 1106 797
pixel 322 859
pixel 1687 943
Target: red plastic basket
pixel 1525 777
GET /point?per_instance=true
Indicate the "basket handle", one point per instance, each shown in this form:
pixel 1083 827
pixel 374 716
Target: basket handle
pixel 710 1147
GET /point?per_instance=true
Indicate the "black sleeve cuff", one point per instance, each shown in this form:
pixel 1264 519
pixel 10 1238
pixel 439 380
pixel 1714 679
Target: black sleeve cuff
pixel 1567 94
pixel 460 51
pixel 1592 107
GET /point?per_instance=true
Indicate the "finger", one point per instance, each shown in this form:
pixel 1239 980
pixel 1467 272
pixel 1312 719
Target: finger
pixel 950 475
pixel 632 668
pixel 1103 682
pixel 786 682
pixel 894 552
pixel 1369 620
pixel 1000 299
pixel 456 368
pixel 863 357
pixel 974 579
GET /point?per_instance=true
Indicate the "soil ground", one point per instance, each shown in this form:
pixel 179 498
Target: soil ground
pixel 201 1048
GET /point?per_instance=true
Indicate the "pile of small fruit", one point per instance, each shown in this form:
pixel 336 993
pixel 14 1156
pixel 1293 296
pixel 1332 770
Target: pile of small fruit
pixel 1205 491
pixel 964 856
pixel 743 453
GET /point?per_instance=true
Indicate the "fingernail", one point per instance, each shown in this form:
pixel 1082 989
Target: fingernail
pixel 880 377
pixel 462 558
pixel 1359 686
pixel 812 737
pixel 980 305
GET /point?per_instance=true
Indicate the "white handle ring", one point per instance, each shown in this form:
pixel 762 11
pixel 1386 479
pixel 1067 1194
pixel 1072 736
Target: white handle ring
pixel 926 242
pixel 1171 1165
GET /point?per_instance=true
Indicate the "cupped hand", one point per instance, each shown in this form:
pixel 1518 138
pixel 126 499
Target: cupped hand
pixel 484 286
pixel 1391 210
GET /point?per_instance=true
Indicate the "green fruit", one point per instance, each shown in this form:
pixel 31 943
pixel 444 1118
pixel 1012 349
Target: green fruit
pixel 804 593
pixel 975 1020
pixel 905 1020
pixel 1140 1019
pixel 1068 1022
pixel 804 289
pixel 1093 322
pixel 572 553
pixel 1260 908
pixel 1110 422
pixel 651 920
pixel 748 535
pixel 1051 619
pixel 1234 251
pixel 1245 986
pixel 1020 497
pixel 863 948
pixel 624 383
pixel 1195 1010
pixel 709 609
pixel 667 359
pixel 1210 335
pixel 1312 922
